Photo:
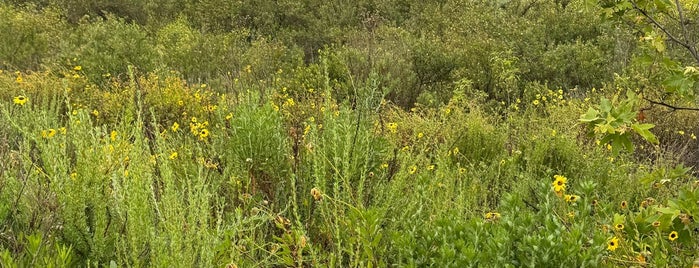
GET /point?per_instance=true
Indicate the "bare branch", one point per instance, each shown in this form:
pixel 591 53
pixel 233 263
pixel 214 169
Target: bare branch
pixel 691 48
pixel 674 108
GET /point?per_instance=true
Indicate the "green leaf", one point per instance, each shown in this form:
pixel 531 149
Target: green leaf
pixel 643 130
pixel 679 83
pixel 605 105
pixel 590 116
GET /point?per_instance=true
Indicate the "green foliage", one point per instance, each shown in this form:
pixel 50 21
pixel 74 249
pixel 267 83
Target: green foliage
pixel 221 133
pixel 613 124
pixel 29 37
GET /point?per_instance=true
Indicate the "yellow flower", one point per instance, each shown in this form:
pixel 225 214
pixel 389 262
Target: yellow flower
pixel 430 167
pixel 173 156
pixel 619 226
pixel 535 102
pixel 78 68
pixel 613 244
pixel 673 235
pixel 95 112
pixel 203 134
pixel 175 127
pixel 680 132
pixel 623 205
pixel 462 170
pixel 47 134
pixel 492 216
pixel 447 111
pixel 456 150
pixel 560 180
pixel 20 100
pixel 113 135
pixel 393 127
pixel 384 165
pixel 559 188
pixel 571 198
pixel 229 116
pixel 420 135
pixel 413 169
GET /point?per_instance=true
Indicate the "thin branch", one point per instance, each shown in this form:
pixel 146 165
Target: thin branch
pixel 674 108
pixel 667 33
pixel 684 30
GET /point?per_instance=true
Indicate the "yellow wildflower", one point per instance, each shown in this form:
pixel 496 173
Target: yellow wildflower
pixel 203 134
pixel 673 235
pixel 393 127
pixel 20 100
pixel 613 244
pixel 619 226
pixel 492 216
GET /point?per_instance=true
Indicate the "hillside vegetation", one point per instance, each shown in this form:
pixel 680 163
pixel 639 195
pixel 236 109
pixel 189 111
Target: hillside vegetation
pixel 447 133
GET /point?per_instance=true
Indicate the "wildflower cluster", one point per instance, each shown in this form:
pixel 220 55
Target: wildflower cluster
pixel 552 97
pixel 197 129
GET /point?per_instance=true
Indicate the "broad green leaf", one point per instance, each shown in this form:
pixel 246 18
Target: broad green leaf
pixel 669 211
pixel 678 83
pixel 590 116
pixel 643 130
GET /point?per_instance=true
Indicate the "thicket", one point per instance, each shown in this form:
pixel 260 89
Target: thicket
pixel 220 133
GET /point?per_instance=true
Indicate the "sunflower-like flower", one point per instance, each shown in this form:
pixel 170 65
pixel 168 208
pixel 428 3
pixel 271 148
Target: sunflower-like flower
pixel 673 235
pixel 619 226
pixel 571 198
pixel 623 205
pixel 613 244
pixel 492 216
pixel 203 134
pixel 20 100
pixel 412 170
